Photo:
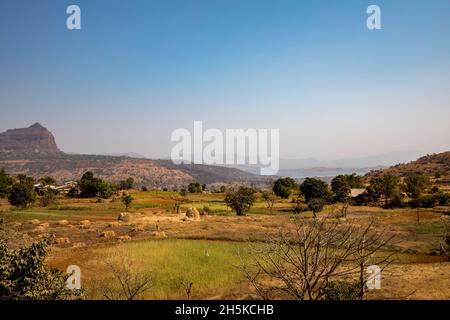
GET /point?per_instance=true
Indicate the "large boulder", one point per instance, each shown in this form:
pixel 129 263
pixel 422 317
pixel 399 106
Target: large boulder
pixel 124 216
pixel 193 213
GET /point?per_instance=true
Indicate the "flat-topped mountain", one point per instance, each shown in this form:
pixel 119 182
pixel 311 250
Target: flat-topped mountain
pixel 32 140
pixel 33 151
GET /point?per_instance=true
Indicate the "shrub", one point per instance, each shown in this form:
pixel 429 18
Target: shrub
pixel 6 183
pixel 316 205
pixel 205 210
pixel 396 200
pixel 24 275
pixel 194 187
pixel 342 290
pixel 126 200
pixel 442 198
pixel 73 192
pixel 22 195
pixel 48 197
pixel 415 185
pixel 144 189
pixel 427 201
pixel 126 184
pixel 299 208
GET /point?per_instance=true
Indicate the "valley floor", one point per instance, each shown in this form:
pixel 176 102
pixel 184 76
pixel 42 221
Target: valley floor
pixel 155 240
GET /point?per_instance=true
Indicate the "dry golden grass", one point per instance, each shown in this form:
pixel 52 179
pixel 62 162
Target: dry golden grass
pixel 417 271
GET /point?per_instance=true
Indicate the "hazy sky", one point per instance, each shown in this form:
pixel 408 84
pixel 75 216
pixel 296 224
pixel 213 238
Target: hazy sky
pixel 137 70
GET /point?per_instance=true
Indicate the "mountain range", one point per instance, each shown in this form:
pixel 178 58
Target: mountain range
pixel 33 151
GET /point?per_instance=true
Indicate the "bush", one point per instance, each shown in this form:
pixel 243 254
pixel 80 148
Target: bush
pixel 442 198
pixel 427 201
pixel 194 187
pixel 396 201
pixel 126 184
pixel 342 290
pixel 6 183
pixel 205 210
pixel 127 200
pixel 48 197
pixel 144 189
pixel 299 208
pixel 73 193
pixel 22 195
pixel 24 275
pixel 316 205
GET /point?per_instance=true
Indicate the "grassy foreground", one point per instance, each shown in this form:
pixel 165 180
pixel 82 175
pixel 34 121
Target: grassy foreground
pixel 170 261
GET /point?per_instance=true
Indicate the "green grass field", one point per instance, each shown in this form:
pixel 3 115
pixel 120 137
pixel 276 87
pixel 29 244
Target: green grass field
pixel 171 262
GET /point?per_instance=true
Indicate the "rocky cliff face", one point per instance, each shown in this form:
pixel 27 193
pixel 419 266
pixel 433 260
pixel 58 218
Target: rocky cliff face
pixel 32 140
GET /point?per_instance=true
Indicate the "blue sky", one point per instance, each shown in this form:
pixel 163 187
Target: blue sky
pixel 137 70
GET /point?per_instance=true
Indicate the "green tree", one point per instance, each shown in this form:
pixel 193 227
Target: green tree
pixel 194 187
pixel 316 205
pixel 6 183
pixel 47 181
pixel 315 188
pixel 354 180
pixel 22 194
pixel 385 185
pixel 283 187
pixel 127 184
pixel 91 186
pixel 241 200
pixel 24 179
pixel 341 188
pixel 25 276
pixel 415 185
pixel 48 197
pixel 104 189
pixel 127 200
pixel 270 198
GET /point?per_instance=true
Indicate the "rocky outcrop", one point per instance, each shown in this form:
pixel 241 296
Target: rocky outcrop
pixel 32 140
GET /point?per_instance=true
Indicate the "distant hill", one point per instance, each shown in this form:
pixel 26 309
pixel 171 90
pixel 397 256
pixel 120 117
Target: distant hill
pixel 430 164
pixel 384 160
pixel 33 151
pixel 34 140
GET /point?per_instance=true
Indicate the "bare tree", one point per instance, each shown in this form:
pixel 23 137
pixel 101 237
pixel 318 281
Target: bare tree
pixel 301 262
pixel 187 286
pixel 128 285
